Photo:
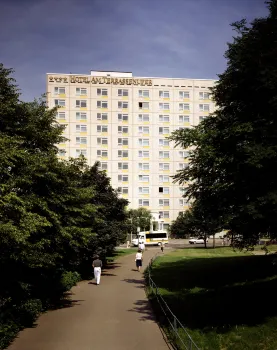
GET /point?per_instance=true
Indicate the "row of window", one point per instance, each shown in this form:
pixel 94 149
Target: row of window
pixel 125 154
pixel 146 190
pixel 125 93
pixel 125 117
pixel 146 203
pixel 203 107
pixel 123 129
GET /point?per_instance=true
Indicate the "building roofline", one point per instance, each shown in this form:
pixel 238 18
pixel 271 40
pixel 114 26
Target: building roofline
pixel 136 77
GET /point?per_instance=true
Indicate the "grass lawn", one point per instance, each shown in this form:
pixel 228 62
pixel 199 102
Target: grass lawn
pixel 225 299
pixel 121 252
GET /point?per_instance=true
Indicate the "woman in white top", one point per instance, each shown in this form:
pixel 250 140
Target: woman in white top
pixel 138 259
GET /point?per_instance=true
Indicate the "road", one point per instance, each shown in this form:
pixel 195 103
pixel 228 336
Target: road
pixel 115 315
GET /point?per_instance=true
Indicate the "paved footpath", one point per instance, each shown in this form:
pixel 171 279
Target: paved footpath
pixel 115 315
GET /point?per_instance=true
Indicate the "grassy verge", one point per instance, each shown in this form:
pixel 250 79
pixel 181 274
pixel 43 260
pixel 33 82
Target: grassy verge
pixel 225 299
pixel 121 252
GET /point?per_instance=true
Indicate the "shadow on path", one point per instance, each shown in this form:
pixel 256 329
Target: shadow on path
pixel 143 307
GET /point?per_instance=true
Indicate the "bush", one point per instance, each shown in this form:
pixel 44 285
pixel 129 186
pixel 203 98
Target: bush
pixel 69 279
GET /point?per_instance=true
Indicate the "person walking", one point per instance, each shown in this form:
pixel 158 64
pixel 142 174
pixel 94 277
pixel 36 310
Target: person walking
pixel 162 246
pixel 142 247
pixel 97 266
pixel 138 260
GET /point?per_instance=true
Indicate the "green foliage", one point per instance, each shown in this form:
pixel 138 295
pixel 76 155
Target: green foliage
pixel 54 215
pixel 141 218
pixel 233 153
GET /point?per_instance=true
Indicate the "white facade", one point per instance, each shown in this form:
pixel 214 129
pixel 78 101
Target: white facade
pixel 123 121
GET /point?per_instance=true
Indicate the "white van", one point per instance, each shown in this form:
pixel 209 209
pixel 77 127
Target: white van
pixel 151 238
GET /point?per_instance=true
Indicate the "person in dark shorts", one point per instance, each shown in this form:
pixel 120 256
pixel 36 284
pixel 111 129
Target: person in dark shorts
pixel 97 266
pixel 138 260
pixel 162 246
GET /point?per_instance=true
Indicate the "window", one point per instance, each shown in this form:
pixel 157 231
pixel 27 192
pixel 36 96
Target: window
pixel 163 154
pixel 122 141
pixel 164 94
pixel 143 129
pixel 123 178
pixel 143 202
pixel 204 108
pixel 144 178
pixel 122 92
pixel 164 106
pixel 122 154
pixel 122 117
pixel 81 91
pixel 143 166
pixel 183 190
pixel 164 190
pixel 102 141
pixel 184 154
pixel 123 166
pixel 163 130
pixel 60 103
pixel 81 104
pixel 59 90
pixel 102 104
pixel 164 214
pixel 122 104
pixel 183 202
pixel 102 153
pixel 182 166
pixel 102 128
pixel 163 166
pixel 201 118
pixel 163 202
pixel 81 152
pixel 102 116
pixel 143 117
pixel 163 142
pixel 143 105
pixel 204 95
pixel 81 128
pixel 61 152
pixel 103 166
pixel 81 140
pixel 143 142
pixel 143 93
pixel 102 92
pixel 143 154
pixel 122 129
pixel 163 178
pixel 184 107
pixel 183 119
pixel 164 118
pixel 60 115
pixel 81 116
pixel 144 190
pixel 123 190
pixel 183 94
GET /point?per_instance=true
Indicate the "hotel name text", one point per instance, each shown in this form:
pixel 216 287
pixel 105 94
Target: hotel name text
pixel 100 80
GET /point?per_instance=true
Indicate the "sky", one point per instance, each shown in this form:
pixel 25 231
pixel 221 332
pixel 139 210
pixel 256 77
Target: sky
pixel 151 38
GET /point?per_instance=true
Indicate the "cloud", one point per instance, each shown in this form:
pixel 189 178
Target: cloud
pixel 178 38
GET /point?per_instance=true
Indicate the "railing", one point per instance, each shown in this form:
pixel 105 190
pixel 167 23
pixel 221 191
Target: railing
pixel 182 339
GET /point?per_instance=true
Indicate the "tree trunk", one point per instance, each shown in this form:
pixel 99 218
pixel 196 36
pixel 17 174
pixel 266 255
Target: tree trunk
pixel 214 240
pixel 205 240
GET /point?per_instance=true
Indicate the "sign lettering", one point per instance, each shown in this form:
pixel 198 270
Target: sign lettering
pixel 100 80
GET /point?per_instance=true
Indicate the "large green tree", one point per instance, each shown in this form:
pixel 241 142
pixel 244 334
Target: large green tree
pixel 234 151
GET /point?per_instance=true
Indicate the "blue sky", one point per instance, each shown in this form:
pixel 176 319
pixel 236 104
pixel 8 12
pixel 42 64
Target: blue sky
pixel 171 38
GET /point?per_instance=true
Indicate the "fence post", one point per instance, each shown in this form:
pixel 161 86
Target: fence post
pixel 175 324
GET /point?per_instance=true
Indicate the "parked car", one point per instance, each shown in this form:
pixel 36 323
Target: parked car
pixel 199 240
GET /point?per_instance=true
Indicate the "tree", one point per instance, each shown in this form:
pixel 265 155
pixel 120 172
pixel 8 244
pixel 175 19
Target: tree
pixel 234 151
pixel 141 218
pixel 196 221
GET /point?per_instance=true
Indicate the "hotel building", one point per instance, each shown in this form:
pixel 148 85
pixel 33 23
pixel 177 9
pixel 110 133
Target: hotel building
pixel 123 122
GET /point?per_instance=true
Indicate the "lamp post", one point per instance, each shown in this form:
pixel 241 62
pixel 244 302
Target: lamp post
pixel 138 231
